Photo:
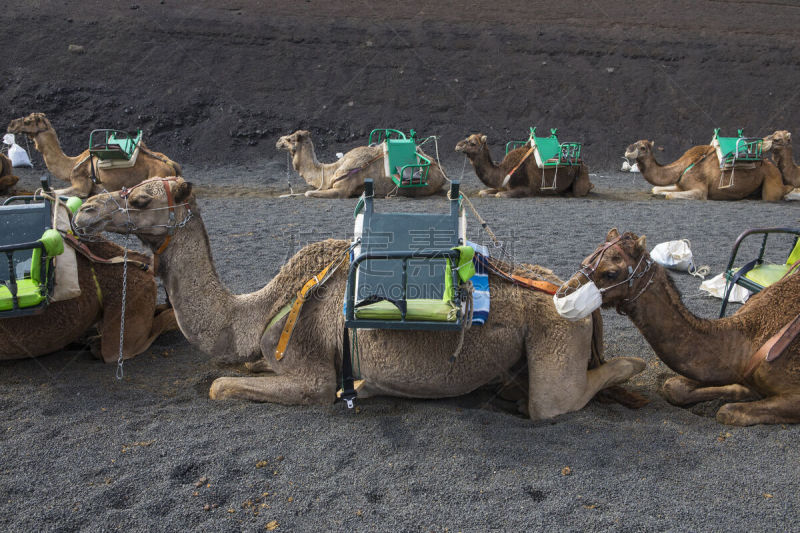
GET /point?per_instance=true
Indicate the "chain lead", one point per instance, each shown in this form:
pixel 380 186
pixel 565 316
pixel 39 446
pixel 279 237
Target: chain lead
pixel 120 372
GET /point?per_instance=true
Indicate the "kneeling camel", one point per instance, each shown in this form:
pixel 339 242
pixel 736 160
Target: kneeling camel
pixel 715 358
pixel 523 327
pixel 100 303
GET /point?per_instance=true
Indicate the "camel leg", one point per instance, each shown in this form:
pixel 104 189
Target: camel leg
pixel 664 189
pixel 259 366
pixel 773 188
pixel 287 390
pixel 328 193
pixel 557 375
pixel 679 390
pixel 581 186
pixel 487 192
pixel 141 328
pixel 781 409
pixel 518 192
pixel 694 194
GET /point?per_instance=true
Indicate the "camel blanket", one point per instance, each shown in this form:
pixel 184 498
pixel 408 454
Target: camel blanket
pixel 67 285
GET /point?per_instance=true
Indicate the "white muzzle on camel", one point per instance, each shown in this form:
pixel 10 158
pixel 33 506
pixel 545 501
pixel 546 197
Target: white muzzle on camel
pixel 580 303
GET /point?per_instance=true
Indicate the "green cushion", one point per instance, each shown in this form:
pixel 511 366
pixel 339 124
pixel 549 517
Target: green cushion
pixel 421 309
pixel 73 204
pixel 795 255
pixel 53 242
pixel 767 274
pixel 28 294
pixel 401 152
pixel 548 147
pixel 465 267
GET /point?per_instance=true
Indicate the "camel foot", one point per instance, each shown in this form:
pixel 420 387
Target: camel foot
pixel 784 409
pixel 276 389
pixel 487 192
pixel 682 391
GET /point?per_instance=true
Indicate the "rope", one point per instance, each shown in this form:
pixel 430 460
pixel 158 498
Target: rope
pixel 467 322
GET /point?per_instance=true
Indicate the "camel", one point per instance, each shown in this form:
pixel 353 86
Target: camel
pixel 7 178
pixel 77 171
pixel 696 175
pixel 713 357
pixel 345 177
pixel 99 303
pixel 780 145
pixel 527 180
pixel 409 364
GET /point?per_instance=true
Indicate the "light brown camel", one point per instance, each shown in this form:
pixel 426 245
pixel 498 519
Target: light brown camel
pixel 99 303
pixel 345 177
pixel 780 145
pixel 711 356
pixel 527 180
pixel 523 326
pixel 7 178
pixel 77 171
pixel 702 181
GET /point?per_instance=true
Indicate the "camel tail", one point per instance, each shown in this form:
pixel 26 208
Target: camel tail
pixel 616 393
pixel 177 167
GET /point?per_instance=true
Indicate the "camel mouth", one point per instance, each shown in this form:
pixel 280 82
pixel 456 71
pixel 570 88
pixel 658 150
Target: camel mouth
pixel 631 154
pixel 461 147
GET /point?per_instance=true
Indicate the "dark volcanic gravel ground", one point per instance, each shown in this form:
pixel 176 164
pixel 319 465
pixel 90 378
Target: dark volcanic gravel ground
pixel 213 84
pixel 83 451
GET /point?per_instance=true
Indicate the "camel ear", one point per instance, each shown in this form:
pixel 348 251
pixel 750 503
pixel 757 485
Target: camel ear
pixel 181 191
pixel 651 143
pixel 788 136
pixel 641 243
pixel 483 138
pixel 612 234
pixel 303 134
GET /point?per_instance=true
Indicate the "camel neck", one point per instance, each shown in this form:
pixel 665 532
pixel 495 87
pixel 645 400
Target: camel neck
pixel 784 159
pixel 57 162
pixel 657 174
pixel 310 169
pixel 710 351
pixel 208 314
pixel 489 173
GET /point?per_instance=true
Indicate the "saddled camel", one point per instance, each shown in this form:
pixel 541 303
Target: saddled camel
pixel 523 327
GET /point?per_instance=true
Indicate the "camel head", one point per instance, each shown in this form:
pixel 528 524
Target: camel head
pixel 638 150
pixel 31 125
pixel 143 210
pixel 290 143
pixel 620 269
pixel 472 145
pixel 776 141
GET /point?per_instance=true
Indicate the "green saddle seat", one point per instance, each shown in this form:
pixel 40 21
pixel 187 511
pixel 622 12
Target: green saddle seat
pixel 401 161
pixel 27 246
pixel 551 153
pixel 113 144
pixel 416 309
pixel 739 148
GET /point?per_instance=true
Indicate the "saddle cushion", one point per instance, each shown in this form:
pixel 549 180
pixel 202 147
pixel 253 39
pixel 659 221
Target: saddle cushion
pixel 29 294
pixel 417 309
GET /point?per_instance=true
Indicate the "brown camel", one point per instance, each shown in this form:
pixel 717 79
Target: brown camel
pixel 77 171
pixel 780 145
pixel 524 328
pixel 696 175
pixel 527 180
pixel 99 303
pixel 7 178
pixel 713 357
pixel 345 177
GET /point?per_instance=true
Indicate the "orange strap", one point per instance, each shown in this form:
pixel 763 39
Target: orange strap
pixel 775 346
pixel 528 283
pixel 294 312
pixel 508 176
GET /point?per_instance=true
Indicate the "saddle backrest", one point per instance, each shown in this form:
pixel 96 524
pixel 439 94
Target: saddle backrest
pixel 21 224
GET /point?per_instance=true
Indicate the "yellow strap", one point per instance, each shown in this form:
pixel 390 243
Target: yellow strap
pixel 294 312
pixel 97 287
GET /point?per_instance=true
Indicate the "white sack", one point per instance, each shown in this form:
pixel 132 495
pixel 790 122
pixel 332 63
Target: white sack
pixel 16 153
pixel 716 287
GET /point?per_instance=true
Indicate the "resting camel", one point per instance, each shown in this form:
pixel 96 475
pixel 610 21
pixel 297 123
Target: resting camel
pixel 77 171
pixel 780 145
pixel 713 357
pixel 527 180
pixel 412 364
pixel 702 180
pixel 99 303
pixel 7 178
pixel 345 177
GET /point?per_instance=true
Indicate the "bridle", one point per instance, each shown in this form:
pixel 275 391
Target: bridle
pixel 172 225
pixel 589 268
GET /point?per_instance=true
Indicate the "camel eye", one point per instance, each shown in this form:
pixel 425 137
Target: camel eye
pixel 140 202
pixel 611 274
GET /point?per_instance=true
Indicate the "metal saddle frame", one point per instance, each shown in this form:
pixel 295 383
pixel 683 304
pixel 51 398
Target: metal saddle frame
pixel 403 163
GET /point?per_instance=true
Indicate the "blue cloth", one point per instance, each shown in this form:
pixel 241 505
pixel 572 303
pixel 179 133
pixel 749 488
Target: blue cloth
pixel 480 284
